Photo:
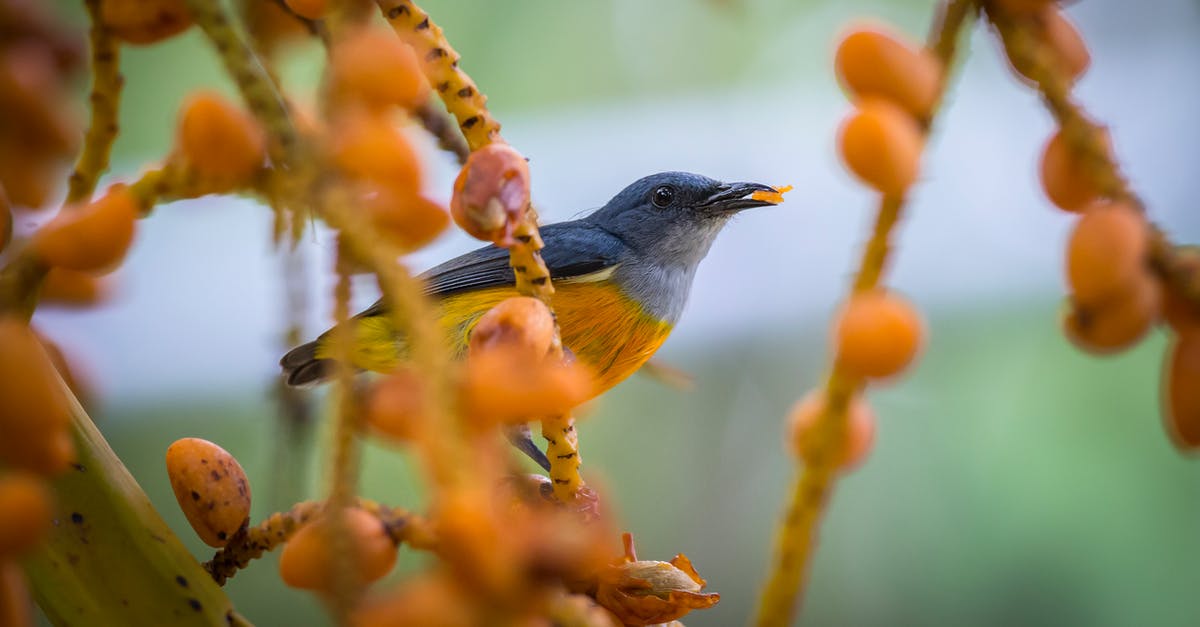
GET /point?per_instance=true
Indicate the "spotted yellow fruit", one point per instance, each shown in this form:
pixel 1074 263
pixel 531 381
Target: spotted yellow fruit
pixel 211 488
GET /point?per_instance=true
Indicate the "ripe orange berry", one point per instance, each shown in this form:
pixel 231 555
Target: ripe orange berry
pixel 873 63
pixel 370 148
pixel 222 143
pixel 1116 323
pixel 145 21
pixel 521 323
pixel 210 487
pixel 1181 391
pixel 34 411
pixel 432 599
pixel 15 608
pixel 396 405
pixel 306 561
pixel 1179 312
pixel 91 238
pixel 26 509
pixel 491 193
pixel 68 288
pixel 881 144
pixel 1066 46
pixel 877 334
pixel 311 9
pixel 408 220
pixel 1106 253
pixel 501 385
pixel 375 67
pixel 1066 177
pixel 860 429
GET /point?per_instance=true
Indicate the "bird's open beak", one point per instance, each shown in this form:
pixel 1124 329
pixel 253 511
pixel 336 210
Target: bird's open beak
pixel 736 196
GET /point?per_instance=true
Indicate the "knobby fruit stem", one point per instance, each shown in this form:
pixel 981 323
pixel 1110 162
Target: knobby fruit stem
pixel 468 105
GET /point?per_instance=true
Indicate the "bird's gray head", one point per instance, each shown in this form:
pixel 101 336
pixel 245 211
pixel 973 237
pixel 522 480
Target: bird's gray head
pixel 673 217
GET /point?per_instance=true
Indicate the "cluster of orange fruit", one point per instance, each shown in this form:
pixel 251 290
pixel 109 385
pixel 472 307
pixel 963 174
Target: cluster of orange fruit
pixel 1116 296
pixel 39 131
pixel 877 333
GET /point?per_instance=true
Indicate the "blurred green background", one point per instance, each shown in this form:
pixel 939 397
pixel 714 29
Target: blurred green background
pixel 1014 480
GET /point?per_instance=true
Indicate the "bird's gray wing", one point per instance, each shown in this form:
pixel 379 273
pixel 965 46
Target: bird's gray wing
pixel 572 249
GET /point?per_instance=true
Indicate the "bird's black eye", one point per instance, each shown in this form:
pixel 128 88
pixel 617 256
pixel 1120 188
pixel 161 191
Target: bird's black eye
pixel 664 195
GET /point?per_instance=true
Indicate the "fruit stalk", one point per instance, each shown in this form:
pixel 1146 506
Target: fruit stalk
pixel 813 485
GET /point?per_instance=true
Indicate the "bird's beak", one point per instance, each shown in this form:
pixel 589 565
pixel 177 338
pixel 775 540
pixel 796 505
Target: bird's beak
pixel 737 196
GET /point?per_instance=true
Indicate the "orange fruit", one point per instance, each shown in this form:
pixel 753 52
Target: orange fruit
pixel 491 193
pixel 1182 314
pixel 1117 323
pixel 396 405
pixel 26 509
pixel 408 220
pixel 877 334
pixel 859 434
pixel 521 323
pixel 6 220
pixel 310 9
pixel 145 21
pixel 1106 252
pixel 69 288
pixel 307 559
pixel 1067 49
pixel 432 599
pixel 881 144
pixel 873 63
pixel 34 411
pixel 1066 177
pixel 502 385
pixel 370 148
pixel 375 67
pixel 222 143
pixel 210 487
pixel 15 607
pixel 1181 391
pixel 91 238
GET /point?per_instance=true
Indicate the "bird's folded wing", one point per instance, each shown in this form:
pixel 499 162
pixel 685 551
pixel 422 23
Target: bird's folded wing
pixel 573 249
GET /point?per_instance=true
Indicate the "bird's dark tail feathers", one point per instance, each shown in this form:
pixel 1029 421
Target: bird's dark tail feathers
pixel 301 365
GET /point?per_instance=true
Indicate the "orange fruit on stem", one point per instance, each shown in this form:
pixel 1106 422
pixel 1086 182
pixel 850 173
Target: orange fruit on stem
pixel 881 144
pixel 373 66
pixel 1065 46
pixel 1181 391
pixel 69 288
pixel 34 410
pixel 491 193
pixel 221 142
pixel 1068 181
pixel 26 509
pixel 521 323
pixel 210 487
pixel 859 434
pixel 368 147
pixel 1117 323
pixel 307 559
pixel 396 405
pixel 91 238
pixel 1106 252
pixel 877 334
pixel 408 220
pixel 873 63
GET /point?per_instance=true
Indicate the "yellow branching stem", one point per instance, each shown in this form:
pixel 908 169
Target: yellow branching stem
pixel 106 100
pixel 456 89
pixel 1087 139
pixel 346 453
pixel 250 543
pixel 469 106
pixel 813 485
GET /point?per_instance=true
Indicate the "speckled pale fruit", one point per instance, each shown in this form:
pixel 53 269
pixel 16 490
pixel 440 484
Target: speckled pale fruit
pixel 211 489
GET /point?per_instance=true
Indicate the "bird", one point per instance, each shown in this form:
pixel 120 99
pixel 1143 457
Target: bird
pixel 621 275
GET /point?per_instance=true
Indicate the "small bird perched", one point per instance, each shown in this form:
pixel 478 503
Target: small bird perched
pixel 621 277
